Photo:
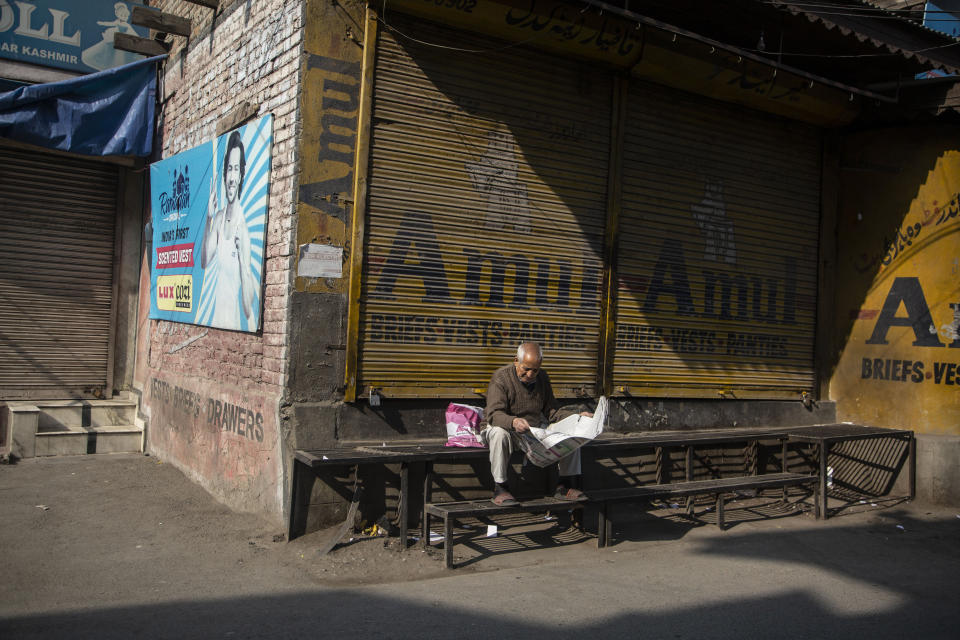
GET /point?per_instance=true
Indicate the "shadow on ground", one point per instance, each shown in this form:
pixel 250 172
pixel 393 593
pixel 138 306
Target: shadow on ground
pixel 918 566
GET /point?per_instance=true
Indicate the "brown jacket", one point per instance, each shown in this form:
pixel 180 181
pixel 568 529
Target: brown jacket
pixel 508 398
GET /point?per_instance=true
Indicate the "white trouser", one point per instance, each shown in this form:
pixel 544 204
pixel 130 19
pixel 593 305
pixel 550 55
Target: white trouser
pixel 503 442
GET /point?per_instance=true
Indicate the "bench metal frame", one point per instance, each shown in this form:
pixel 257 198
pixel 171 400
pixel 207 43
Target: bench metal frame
pixel 719 486
pixel 823 436
pixel 450 512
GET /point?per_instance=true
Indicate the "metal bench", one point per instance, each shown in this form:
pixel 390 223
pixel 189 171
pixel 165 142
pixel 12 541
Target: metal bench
pixel 719 486
pixel 450 512
pixel 308 462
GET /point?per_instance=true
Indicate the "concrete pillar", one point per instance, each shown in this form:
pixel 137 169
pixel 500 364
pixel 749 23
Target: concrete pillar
pixel 22 425
pixel 938 469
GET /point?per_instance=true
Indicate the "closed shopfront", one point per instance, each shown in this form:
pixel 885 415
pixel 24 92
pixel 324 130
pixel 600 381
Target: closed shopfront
pixel 485 214
pixel 717 255
pixel 492 181
pixel 57 228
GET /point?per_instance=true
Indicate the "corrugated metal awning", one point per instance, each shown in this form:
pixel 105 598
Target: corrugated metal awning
pixel 882 29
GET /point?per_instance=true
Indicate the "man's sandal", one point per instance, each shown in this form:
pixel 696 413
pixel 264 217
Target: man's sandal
pixel 571 494
pixel 504 499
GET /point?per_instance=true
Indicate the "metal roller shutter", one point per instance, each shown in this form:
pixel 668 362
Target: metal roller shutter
pixel 57 217
pixel 717 255
pixel 486 207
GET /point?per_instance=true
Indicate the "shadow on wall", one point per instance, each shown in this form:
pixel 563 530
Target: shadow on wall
pixel 506 175
pixel 509 175
pixel 408 258
pixel 883 222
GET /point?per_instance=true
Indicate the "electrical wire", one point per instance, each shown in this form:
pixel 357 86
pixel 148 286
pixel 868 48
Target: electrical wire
pixel 850 55
pixel 849 7
pixel 382 20
pixel 766 52
pixel 875 13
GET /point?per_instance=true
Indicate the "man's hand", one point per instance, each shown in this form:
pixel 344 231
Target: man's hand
pixel 520 425
pixel 212 204
pixel 586 414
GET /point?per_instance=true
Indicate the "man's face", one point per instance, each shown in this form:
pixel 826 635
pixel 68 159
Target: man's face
pixel 232 178
pixel 527 368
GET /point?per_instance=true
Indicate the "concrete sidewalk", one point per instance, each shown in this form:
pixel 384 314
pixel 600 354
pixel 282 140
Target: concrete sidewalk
pixel 124 546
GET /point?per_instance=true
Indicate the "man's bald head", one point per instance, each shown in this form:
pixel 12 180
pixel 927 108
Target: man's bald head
pixel 531 349
pixel 527 362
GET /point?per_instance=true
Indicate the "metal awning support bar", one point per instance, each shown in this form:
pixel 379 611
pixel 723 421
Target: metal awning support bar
pixel 663 26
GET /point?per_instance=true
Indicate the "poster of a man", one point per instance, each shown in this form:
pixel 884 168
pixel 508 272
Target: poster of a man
pixel 226 241
pixel 209 230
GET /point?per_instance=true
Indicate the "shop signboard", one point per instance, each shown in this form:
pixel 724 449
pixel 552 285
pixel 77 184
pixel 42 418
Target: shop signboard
pixel 66 34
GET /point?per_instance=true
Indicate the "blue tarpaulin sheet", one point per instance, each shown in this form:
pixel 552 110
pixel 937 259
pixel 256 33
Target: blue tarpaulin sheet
pixel 101 114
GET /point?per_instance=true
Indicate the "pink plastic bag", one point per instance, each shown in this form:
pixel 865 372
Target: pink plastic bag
pixel 463 425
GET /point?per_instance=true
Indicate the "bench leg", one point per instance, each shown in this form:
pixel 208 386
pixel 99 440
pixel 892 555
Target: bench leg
pixel 688 463
pixel 824 451
pixel 602 526
pixel 404 504
pixel 783 462
pixel 720 511
pixel 608 532
pixel 427 496
pixel 912 471
pixel 448 540
pixel 295 494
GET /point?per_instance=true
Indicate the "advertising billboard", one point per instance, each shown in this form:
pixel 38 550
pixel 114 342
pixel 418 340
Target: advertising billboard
pixel 66 34
pixel 209 207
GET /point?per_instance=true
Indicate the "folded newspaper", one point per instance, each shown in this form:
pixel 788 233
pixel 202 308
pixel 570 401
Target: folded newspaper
pixel 546 446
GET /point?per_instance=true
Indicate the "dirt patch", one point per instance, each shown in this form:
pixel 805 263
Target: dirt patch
pixel 361 559
pixel 364 560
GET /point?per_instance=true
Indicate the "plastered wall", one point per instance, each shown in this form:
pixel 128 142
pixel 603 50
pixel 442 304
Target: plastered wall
pixel 333 50
pixel 898 286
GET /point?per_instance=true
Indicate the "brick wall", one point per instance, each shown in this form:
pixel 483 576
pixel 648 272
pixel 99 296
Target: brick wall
pixel 213 396
pixel 249 52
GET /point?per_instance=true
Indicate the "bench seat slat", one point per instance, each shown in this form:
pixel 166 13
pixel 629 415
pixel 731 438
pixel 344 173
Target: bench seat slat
pixel 316 458
pixel 468 508
pixel 694 487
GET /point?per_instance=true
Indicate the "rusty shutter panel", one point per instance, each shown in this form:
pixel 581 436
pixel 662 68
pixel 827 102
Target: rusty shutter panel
pixel 717 256
pixel 57 218
pixel 486 206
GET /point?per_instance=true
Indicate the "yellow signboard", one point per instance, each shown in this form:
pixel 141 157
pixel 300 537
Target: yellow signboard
pixel 654 53
pixel 899 297
pixel 173 293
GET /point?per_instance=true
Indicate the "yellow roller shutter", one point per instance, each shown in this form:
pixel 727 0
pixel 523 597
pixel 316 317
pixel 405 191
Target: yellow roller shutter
pixel 485 215
pixel 717 250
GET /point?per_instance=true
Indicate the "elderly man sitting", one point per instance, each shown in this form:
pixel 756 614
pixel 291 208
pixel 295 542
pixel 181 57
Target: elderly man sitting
pixel 520 397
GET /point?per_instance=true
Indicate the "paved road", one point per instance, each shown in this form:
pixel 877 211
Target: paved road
pixel 126 547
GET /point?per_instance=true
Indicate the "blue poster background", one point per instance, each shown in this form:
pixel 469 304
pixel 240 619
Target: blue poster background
pixel 67 34
pixel 182 189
